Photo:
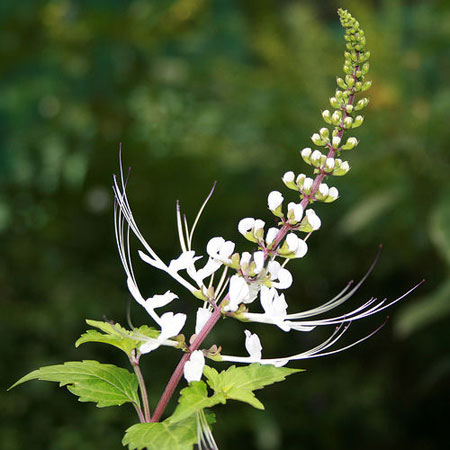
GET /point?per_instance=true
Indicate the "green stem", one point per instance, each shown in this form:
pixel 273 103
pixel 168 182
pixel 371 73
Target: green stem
pixel 144 396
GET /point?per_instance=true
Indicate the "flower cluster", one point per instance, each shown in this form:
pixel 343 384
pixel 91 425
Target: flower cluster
pixel 229 283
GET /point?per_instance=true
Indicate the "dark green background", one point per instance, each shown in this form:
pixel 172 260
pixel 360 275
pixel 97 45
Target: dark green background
pixel 199 91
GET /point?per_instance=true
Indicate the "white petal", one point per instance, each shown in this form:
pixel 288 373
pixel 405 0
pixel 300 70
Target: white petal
pixel 185 260
pixel 160 300
pixel 171 325
pixel 271 235
pixel 246 225
pixel 203 315
pixel 226 250
pixel 274 267
pixel 245 258
pixel 259 224
pixel 274 200
pixel 292 242
pixel 210 267
pixel 253 345
pixel 266 297
pixel 193 369
pixel 258 257
pixel 237 292
pixel 301 249
pixel 288 177
pixel 214 245
pixel 149 346
pixel 284 279
pixel 313 219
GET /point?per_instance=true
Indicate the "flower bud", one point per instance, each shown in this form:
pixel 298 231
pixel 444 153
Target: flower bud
pixel 307 185
pixel 295 213
pixel 348 121
pixel 306 153
pixel 341 83
pixel 326 116
pixel 300 180
pixel 335 103
pixel 274 201
pixel 361 104
pixel 349 81
pixel 336 141
pixel 349 109
pixel 288 180
pixel 271 235
pixel 336 118
pixel 324 133
pixel 245 227
pixel 315 158
pixel 310 222
pixel 329 164
pixel 358 121
pixel 366 85
pixel 351 143
pixel 293 247
pixel 333 194
pixel 258 229
pixel 322 192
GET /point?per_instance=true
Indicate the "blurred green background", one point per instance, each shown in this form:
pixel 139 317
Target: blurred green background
pixel 223 90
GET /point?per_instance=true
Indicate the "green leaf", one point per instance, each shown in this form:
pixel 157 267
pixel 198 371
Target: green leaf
pixel 194 398
pixel 238 383
pixel 162 435
pixel 104 384
pixel 116 335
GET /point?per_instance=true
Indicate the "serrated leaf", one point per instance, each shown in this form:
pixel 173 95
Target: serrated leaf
pixel 238 383
pixel 194 398
pixel 104 384
pixel 116 335
pixel 162 435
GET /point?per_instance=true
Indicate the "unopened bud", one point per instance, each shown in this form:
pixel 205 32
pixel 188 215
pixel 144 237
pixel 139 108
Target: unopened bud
pixel 351 143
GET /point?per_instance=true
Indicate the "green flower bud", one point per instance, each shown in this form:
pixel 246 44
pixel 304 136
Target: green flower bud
pixel 366 85
pixel 361 104
pixel 316 158
pixel 333 195
pixel 336 118
pixel 349 80
pixel 288 180
pixel 351 143
pixel 358 120
pixel 341 168
pixel 365 68
pixel 300 180
pixel 348 121
pixel 335 141
pixel 306 155
pixel 324 133
pixel 317 140
pixel 335 103
pixel 349 109
pixel 326 116
pixel 340 82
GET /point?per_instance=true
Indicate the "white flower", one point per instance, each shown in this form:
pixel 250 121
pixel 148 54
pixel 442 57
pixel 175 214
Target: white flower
pixel 160 300
pixel 193 369
pixel 246 225
pixel 275 307
pixel 336 141
pixel 329 163
pixel 274 200
pixel 277 272
pixel 323 189
pixel 238 291
pixel 306 153
pixel 313 219
pixel 245 258
pixel 333 193
pixel 295 212
pixel 307 184
pixel 271 235
pixel 220 250
pixel 203 315
pixel 258 258
pixel 289 177
pixel 253 346
pixel 171 324
pixel 296 245
pixel 316 155
pixel 185 260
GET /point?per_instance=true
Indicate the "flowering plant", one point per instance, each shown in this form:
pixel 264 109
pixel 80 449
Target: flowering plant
pixel 243 286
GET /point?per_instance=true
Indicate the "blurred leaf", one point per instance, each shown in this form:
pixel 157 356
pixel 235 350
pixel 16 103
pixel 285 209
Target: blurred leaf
pixel 440 227
pixel 424 311
pixel 104 384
